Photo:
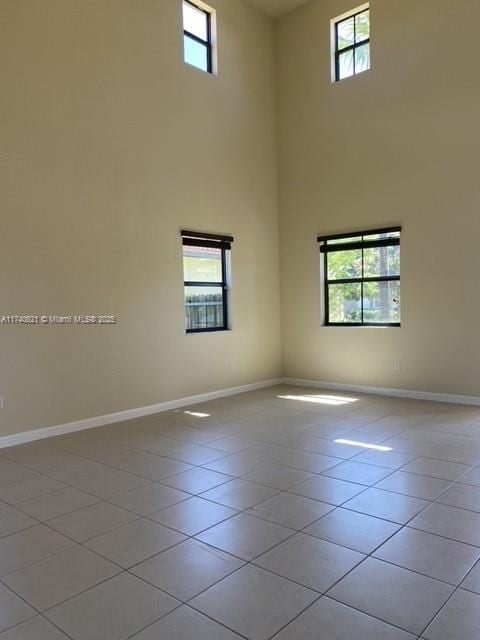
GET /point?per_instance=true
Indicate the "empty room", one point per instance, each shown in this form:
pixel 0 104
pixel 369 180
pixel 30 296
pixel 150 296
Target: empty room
pixel 239 311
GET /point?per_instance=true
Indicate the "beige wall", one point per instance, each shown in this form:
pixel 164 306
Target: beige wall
pixel 109 145
pixel 397 145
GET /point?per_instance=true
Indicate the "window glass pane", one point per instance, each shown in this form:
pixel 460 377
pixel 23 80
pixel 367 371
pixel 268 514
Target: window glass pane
pixel 342 240
pixel 202 264
pixel 344 302
pixel 195 21
pixel 196 53
pixel 344 264
pixel 381 261
pixel 379 236
pixel 362 58
pixel 362 26
pixel 345 33
pixel 204 307
pixel 345 65
pixel 381 302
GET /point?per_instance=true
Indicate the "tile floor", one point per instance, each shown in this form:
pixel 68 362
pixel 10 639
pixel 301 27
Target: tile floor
pixel 285 513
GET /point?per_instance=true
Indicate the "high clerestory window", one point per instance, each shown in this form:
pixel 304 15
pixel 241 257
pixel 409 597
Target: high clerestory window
pixel 361 278
pixel 198 23
pixel 351 43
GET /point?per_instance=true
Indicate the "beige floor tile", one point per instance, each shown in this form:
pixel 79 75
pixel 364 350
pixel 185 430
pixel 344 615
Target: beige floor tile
pixel 92 521
pixel 431 555
pixel 458 620
pixel 291 510
pixel 354 530
pixel 55 579
pixel 31 545
pixel 193 515
pixel 392 594
pixel 311 562
pixel 187 569
pixel 186 624
pixel 113 610
pixel 253 602
pixel 330 620
pixel 245 536
pixel 134 542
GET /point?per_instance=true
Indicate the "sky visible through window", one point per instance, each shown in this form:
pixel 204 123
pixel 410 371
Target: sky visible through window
pixel 196 36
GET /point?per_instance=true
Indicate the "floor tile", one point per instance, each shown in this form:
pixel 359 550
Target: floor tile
pixel 146 465
pixel 311 562
pixel 13 609
pixel 443 520
pixel 472 581
pixel 114 484
pixel 232 444
pixel 239 494
pixel 277 477
pixel 387 459
pixel 187 569
pixel 395 595
pixel 353 530
pixel 328 490
pixel 245 536
pixel 55 579
pixel 32 487
pixel 134 542
pixel 431 555
pixel 330 620
pixel 113 610
pixel 92 521
pixel 31 545
pixel 358 472
pixel 387 505
pixel 57 503
pixel 149 499
pixel 463 496
pixel 291 510
pixel 472 477
pixel 193 515
pixel 458 620
pixel 237 464
pixel 303 460
pixel 196 480
pixel 186 624
pixel 11 472
pixel 34 629
pixel 436 468
pixel 13 520
pixel 412 484
pixel 254 602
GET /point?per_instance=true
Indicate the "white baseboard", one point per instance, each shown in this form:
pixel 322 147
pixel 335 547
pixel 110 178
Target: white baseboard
pixel 129 414
pixel 384 391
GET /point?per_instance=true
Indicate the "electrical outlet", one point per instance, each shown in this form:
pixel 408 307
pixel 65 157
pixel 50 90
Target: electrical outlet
pixel 230 365
pixel 397 365
pixel 1 402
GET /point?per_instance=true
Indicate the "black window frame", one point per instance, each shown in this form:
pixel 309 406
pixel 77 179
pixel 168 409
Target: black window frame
pixel 208 44
pixel 352 47
pixel 209 240
pixel 362 244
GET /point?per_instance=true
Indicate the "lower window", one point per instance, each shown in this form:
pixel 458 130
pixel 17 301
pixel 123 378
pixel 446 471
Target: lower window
pixel 206 261
pixel 362 278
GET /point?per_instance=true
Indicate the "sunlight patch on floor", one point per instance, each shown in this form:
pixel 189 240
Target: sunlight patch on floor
pixel 321 399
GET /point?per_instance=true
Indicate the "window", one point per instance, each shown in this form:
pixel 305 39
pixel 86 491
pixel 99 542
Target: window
pixel 351 43
pixel 206 264
pixel 362 278
pixel 197 36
